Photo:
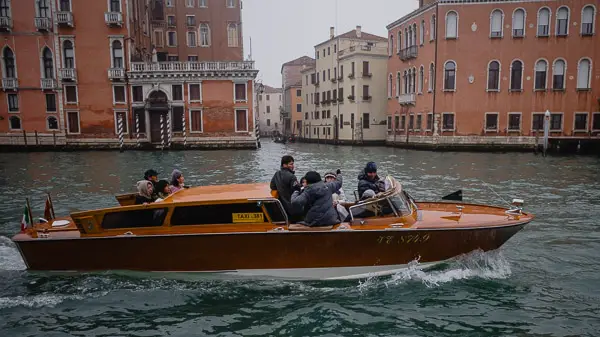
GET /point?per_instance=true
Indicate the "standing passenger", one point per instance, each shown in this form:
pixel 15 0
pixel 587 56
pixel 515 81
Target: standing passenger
pixel 285 182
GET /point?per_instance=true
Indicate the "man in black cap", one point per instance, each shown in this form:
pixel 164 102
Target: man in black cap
pixel 369 180
pixel 284 182
pixel 317 199
pixel 152 176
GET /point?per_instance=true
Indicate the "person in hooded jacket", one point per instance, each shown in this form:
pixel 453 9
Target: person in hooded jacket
pixel 317 200
pixel 284 182
pixel 145 190
pixel 369 180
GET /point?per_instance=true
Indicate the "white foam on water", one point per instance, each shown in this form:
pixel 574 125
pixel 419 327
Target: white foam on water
pixel 37 301
pixel 10 258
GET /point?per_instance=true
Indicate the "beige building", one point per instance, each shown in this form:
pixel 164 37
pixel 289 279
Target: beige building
pixel 291 82
pixel 345 97
pixel 268 108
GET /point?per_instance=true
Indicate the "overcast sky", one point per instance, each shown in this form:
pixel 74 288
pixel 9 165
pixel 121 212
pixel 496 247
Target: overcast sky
pixel 283 30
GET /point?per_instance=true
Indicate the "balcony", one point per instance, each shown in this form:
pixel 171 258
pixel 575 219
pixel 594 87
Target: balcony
pixel 366 98
pixel 333 79
pixel 351 98
pixel 68 74
pixel 65 18
pixel 340 78
pixel 5 23
pixel 48 83
pixel 409 53
pixel 367 75
pixel 10 83
pixel 113 19
pixel 138 67
pixel 351 76
pixel 407 99
pixel 116 74
pixel 43 24
pixel 317 84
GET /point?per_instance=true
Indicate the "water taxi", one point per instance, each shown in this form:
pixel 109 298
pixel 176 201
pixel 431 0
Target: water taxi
pixel 242 230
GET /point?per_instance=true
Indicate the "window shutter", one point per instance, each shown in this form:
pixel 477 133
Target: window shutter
pixel 496 21
pixel 519 20
pixel 583 74
pixel 559 68
pixel 588 15
pixel 562 14
pixel 540 66
pixel 544 17
pixel 451 25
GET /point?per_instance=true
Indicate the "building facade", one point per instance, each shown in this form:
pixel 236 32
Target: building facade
pixel 291 81
pixel 345 98
pixel 132 72
pixel 469 73
pixel 268 109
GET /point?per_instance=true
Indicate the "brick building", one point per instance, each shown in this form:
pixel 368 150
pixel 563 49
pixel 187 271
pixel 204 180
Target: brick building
pixel 78 72
pixel 468 72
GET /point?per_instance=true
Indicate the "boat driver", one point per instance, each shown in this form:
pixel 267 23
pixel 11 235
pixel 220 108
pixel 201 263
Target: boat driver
pixel 283 184
pixel 369 180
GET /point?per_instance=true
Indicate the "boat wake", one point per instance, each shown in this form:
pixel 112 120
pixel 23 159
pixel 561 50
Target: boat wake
pixel 10 259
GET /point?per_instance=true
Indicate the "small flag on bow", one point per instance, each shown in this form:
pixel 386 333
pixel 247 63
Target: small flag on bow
pixel 26 220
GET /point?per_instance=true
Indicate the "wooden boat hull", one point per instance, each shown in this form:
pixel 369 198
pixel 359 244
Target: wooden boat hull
pixel 287 254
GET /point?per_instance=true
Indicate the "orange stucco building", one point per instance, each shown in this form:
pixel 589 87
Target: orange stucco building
pixel 159 73
pixel 465 72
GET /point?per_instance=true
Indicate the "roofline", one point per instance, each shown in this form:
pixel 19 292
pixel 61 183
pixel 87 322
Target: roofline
pixel 411 15
pixel 347 38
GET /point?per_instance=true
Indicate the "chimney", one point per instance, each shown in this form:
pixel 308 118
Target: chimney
pixel 331 32
pixel 358 31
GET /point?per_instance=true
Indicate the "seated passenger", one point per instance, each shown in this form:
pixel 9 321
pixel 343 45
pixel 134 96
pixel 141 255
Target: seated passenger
pixel 317 199
pixel 145 190
pixel 339 194
pixel 177 181
pixel 152 176
pixel 163 190
pixel 369 180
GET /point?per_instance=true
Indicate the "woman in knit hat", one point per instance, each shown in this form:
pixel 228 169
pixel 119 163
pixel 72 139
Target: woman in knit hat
pixel 177 181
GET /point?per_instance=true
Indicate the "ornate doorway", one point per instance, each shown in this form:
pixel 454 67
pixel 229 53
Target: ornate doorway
pixel 157 105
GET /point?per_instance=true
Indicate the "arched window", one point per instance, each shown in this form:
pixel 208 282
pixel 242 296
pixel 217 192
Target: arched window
pixel 431 77
pixel 115 5
pixel 399 42
pixel 410 37
pixel 558 78
pixel 391 45
pixel 422 33
pixel 421 79
pixel 232 35
pixel 541 70
pixel 117 51
pixel 204 35
pixel 47 63
pixel 543 24
pixel 43 8
pixel 68 54
pixel 516 76
pixel 450 76
pixel 52 123
pixel 451 25
pixel 14 123
pixel 518 24
pixel 414 34
pixel 584 70
pixel 9 63
pixel 414 80
pixel 398 83
pixel 588 16
pixel 494 76
pixel 406 89
pixel 562 21
pixel 496 23
pixel 65 5
pixel 432 27
pixel 390 85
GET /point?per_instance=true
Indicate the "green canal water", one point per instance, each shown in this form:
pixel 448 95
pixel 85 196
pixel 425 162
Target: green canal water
pixel 543 282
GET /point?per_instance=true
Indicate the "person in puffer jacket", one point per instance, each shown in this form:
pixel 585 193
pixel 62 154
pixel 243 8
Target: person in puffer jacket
pixel 369 180
pixel 317 199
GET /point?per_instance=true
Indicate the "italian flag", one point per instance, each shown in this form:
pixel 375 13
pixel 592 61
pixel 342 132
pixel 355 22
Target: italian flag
pixel 26 221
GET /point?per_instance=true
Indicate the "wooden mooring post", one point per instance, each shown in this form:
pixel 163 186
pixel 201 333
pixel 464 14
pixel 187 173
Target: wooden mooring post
pixel 37 141
pixel 25 137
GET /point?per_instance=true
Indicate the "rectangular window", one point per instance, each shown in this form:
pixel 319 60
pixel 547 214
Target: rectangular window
pixel 352 70
pixel 203 3
pixel 328 113
pixel 134 219
pixel 123 116
pixel 241 120
pixel 323 114
pixel 171 39
pixel 352 120
pixel 328 74
pixel 71 93
pixel 268 109
pixel 298 107
pixel 419 122
pixel 491 122
pixel 190 20
pixel 448 122
pixel 268 122
pixel 13 102
pixel 158 38
pixel 189 3
pixel 177 91
pixel 140 124
pixel 51 102
pixel 403 123
pixel 366 92
pixel 411 122
pixel 197 124
pixel 556 122
pixel 334 95
pixel 389 123
pixel 341 121
pixel 191 37
pixel 366 72
pixel 396 122
pixel 73 121
pixel 192 58
pixel 170 3
pixel 581 121
pixel 137 93
pixel 341 95
pixel 341 77
pixel 537 122
pixel 119 94
pixel 514 122
pixel 240 92
pixel 172 58
pixel 298 93
pixel 171 20
pixel 366 121
pixel 195 93
pixel 429 125
pixel 177 125
pixel 596 121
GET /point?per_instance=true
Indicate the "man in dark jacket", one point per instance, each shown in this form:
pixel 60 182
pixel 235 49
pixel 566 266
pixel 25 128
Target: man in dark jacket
pixel 284 182
pixel 316 199
pixel 369 180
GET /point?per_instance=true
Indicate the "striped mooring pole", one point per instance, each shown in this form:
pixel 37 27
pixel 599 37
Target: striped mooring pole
pixel 162 132
pixel 184 130
pixel 137 129
pixel 169 133
pixel 120 127
pixel 257 133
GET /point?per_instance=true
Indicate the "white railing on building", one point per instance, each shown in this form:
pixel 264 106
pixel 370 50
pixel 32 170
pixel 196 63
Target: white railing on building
pixel 406 99
pixel 48 83
pixel 64 18
pixel 116 73
pixel 191 66
pixel 43 23
pixel 68 74
pixel 113 18
pixel 9 83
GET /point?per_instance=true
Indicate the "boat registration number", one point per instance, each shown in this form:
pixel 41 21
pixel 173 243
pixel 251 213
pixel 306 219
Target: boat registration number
pixel 248 217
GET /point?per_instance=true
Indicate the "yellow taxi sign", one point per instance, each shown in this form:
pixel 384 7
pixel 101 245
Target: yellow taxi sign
pixel 248 217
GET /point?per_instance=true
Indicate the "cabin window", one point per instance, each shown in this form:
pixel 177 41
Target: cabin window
pixel 218 214
pixel 134 219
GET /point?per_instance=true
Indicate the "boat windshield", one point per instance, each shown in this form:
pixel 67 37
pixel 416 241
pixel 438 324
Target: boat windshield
pixel 400 203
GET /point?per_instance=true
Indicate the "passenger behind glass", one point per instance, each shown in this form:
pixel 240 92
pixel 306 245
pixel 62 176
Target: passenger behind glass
pixel 145 189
